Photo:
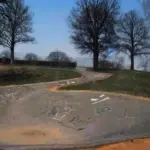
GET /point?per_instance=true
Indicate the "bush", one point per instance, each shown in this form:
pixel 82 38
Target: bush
pixel 103 64
pixel 56 64
pixel 106 65
pixel 4 60
pixel 58 56
pixel 13 74
pixel 31 57
pixel 116 65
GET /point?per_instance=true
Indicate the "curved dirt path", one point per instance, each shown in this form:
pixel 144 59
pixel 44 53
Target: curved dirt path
pixel 34 115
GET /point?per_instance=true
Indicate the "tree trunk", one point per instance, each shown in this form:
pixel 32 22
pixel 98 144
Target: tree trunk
pixel 132 62
pixel 95 61
pixel 12 53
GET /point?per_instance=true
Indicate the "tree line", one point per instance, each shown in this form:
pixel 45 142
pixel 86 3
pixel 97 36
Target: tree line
pixel 53 56
pixel 97 28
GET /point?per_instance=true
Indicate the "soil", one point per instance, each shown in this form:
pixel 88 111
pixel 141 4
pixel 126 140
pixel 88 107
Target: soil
pixel 141 144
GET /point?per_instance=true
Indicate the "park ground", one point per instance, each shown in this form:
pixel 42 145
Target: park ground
pixel 30 106
pixel 24 74
pixel 126 82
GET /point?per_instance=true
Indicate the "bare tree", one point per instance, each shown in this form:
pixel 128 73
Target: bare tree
pixel 133 36
pixel 92 24
pixel 146 9
pixel 144 62
pixel 119 62
pixel 58 56
pixel 31 57
pixel 15 25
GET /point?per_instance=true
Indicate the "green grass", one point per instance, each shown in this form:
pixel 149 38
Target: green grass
pixel 128 82
pixel 24 75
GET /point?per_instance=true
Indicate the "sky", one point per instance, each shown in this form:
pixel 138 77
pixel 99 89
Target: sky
pixel 51 29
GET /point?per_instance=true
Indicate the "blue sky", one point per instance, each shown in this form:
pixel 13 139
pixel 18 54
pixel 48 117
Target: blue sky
pixel 50 26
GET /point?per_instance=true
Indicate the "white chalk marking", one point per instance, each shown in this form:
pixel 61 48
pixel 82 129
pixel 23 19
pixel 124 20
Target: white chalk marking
pixel 57 117
pixel 67 108
pixel 66 103
pixel 105 99
pixel 102 95
pixel 10 94
pixel 73 82
pixel 62 84
pixel 68 82
pixel 63 117
pixel 1 96
pixel 94 99
pixel 60 118
pixel 13 97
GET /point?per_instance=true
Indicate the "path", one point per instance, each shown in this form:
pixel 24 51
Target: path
pixel 34 115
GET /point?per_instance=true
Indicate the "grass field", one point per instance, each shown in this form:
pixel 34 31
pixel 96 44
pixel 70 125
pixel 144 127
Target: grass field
pixel 127 82
pixel 22 75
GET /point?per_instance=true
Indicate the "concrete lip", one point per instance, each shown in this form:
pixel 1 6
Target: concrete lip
pixel 42 118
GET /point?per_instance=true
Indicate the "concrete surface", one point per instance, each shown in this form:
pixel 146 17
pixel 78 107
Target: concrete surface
pixel 30 113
